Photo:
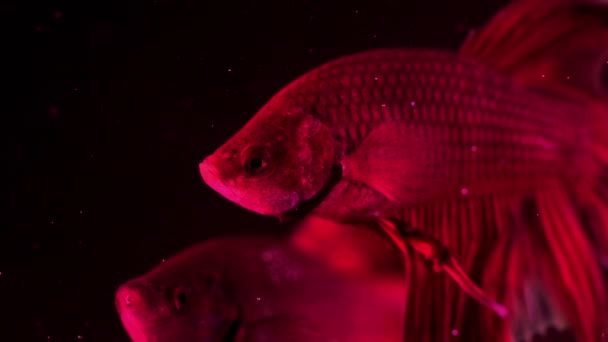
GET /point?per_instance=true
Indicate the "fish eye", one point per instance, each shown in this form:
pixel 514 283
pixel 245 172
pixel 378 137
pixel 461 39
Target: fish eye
pixel 180 299
pixel 255 161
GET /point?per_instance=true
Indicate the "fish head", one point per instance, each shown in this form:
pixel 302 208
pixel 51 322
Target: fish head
pixel 280 158
pixel 252 288
pixel 172 306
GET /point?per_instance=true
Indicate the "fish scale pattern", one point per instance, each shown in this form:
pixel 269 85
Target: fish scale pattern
pixel 483 128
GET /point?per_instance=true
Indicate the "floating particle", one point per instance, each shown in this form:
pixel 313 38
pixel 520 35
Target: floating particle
pixel 162 260
pixel 543 75
pixel 474 148
pixel 258 299
pixel 413 104
pixel 464 191
pixel 79 337
pixel 229 69
pixel 455 332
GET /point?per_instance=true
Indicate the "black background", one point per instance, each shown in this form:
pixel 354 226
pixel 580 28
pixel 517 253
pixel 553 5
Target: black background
pixel 108 108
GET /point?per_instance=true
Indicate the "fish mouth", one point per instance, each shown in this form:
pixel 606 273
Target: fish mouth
pixel 130 297
pixel 212 177
pixel 209 171
pixel 130 302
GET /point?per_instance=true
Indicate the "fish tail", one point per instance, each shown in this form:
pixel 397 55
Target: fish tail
pixel 559 262
pixel 564 282
pixel 557 47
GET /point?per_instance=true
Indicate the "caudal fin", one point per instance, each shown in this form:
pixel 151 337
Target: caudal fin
pixel 560 47
pixel 554 279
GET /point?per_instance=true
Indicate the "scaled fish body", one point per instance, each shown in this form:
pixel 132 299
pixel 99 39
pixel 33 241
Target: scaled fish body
pixel 500 151
pixel 254 289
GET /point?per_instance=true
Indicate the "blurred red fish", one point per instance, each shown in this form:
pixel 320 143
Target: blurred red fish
pixel 257 289
pixel 499 151
pixel 352 249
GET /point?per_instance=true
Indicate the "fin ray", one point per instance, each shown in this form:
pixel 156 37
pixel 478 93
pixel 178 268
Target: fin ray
pixel 560 45
pixel 398 163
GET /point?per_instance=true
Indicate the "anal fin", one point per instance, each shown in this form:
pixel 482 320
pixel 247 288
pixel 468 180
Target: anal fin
pixel 554 279
pixel 535 312
pixel 434 251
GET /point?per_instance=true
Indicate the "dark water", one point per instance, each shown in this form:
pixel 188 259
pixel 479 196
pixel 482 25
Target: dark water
pixel 112 104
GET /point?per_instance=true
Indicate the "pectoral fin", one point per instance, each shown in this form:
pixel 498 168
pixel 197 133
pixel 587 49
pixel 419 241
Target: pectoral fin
pixel 399 162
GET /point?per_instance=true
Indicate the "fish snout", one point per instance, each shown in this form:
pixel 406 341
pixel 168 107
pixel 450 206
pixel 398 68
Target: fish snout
pixel 132 308
pixel 209 171
pixel 129 296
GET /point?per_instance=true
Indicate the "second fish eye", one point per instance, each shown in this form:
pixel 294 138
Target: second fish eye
pixel 180 299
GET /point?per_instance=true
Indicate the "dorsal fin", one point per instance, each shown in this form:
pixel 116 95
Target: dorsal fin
pixel 559 45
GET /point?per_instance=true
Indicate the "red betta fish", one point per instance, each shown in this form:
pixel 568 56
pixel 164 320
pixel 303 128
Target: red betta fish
pixel 498 151
pixel 255 289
